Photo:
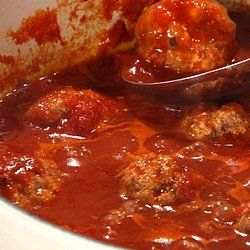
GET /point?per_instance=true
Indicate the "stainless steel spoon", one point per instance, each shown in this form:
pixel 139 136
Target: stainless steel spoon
pixel 236 75
pixel 239 67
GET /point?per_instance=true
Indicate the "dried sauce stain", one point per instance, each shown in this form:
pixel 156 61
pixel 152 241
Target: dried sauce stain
pixel 42 27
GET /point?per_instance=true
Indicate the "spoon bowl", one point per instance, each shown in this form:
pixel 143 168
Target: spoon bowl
pixel 207 85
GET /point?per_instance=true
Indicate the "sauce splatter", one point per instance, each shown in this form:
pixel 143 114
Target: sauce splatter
pixel 42 27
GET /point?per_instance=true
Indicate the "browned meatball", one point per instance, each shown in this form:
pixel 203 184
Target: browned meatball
pixel 230 119
pixel 28 181
pixel 187 36
pixel 159 180
pixel 80 111
pixel 243 225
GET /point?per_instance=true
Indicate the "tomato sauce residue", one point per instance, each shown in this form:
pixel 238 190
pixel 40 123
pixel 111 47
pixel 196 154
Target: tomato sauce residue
pixel 42 27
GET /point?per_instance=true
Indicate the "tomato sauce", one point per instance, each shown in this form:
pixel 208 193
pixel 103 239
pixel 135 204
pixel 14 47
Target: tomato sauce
pixel 88 199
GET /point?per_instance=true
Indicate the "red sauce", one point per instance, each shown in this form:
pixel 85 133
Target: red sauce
pixel 88 196
pixel 89 200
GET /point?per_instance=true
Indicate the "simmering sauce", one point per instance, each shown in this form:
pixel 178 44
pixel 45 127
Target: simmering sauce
pixel 78 158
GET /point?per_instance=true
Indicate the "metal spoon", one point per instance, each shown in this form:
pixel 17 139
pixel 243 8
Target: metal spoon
pixel 196 86
pixel 239 67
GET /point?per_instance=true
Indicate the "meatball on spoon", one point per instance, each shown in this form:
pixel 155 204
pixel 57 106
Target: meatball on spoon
pixel 194 38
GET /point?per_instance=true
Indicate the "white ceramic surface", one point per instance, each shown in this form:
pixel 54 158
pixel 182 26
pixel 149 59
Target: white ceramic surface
pixel 21 231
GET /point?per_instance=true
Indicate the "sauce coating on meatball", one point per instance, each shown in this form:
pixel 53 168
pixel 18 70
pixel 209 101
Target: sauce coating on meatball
pixel 187 36
pixel 71 110
pixel 229 120
pixel 27 180
pixel 159 180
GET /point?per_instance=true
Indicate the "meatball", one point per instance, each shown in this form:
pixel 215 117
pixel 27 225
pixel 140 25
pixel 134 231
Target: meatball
pixel 187 36
pixel 229 120
pixel 80 111
pixel 243 225
pixel 159 180
pixel 28 181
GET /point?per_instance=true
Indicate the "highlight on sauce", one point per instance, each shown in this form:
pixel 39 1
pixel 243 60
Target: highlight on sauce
pixel 82 151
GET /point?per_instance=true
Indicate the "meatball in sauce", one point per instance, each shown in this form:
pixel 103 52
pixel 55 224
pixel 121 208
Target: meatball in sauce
pixel 159 180
pixel 202 124
pixel 72 110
